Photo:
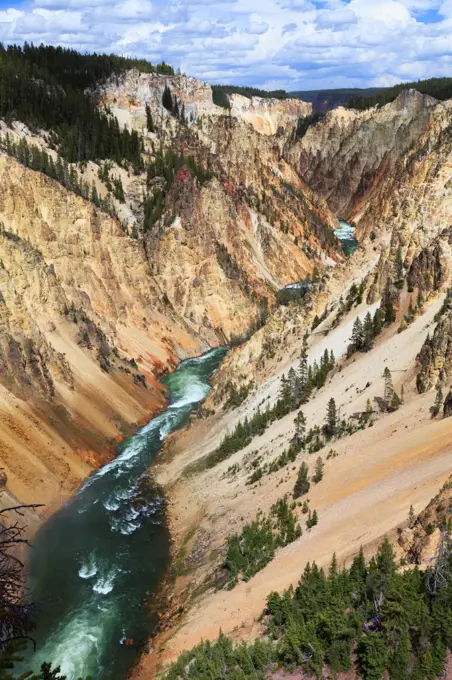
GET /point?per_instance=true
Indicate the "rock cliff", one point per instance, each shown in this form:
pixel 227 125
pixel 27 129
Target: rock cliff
pixel 133 90
pixel 435 357
pixel 351 155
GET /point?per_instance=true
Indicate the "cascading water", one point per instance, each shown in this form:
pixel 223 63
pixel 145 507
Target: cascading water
pixel 346 235
pixel 97 563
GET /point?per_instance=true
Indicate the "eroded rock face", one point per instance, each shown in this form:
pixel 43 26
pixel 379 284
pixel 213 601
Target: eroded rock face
pixel 435 357
pixel 352 153
pixel 406 209
pixel 133 90
pixel 420 541
pixel 268 115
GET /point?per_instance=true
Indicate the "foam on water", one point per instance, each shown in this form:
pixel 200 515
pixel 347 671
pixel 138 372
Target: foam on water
pixel 89 568
pixel 196 393
pixel 346 234
pixel 111 504
pixel 345 230
pixel 76 644
pixel 105 584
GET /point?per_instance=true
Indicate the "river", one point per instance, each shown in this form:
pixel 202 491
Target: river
pixel 103 555
pixel 346 235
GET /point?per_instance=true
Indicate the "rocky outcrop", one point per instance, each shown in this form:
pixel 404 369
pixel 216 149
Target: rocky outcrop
pixel 267 116
pixel 421 538
pixel 133 90
pixel 435 357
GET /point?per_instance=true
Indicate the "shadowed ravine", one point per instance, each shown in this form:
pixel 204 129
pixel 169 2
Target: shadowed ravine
pixel 98 560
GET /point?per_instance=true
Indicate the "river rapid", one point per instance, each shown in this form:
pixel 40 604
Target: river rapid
pixel 97 563
pixel 346 235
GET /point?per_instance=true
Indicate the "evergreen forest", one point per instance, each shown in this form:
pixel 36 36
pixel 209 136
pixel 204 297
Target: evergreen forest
pixel 371 618
pixel 439 88
pixel 50 88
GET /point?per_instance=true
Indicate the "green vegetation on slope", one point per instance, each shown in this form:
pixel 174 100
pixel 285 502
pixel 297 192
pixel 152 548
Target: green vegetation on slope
pixel 439 88
pixel 296 389
pixel 370 618
pixel 220 94
pixel 325 100
pixel 161 174
pixel 48 88
pixel 255 547
pixel 35 158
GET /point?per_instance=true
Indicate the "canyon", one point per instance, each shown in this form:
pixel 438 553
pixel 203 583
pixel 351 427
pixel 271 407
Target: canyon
pixel 92 317
pixel 100 302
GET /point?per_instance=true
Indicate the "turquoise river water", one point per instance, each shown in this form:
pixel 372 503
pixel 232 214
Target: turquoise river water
pixel 96 563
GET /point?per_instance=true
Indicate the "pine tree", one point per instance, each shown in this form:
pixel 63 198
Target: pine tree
pixel 302 485
pixel 395 402
pixel 331 419
pixel 389 310
pixel 368 333
pixel 369 409
pixel 399 268
pixel 94 195
pixel 300 428
pixel 378 321
pixel 118 190
pixel 411 313
pixel 167 99
pixel 411 516
pixel 284 390
pixel 312 519
pixel 420 301
pixel 303 372
pixel 292 380
pixel 439 399
pixel 356 340
pixel 319 470
pixel 333 570
pixel 389 388
pixel 359 297
pixel 149 119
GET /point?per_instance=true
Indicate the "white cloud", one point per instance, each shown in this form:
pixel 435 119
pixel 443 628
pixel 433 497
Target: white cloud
pixel 296 44
pixel 338 17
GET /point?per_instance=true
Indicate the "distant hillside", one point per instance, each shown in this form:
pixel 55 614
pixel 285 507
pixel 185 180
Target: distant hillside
pixel 354 98
pixel 325 100
pixel 221 92
pixel 439 88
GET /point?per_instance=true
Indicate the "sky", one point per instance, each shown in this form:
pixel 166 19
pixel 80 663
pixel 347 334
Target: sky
pixel 290 44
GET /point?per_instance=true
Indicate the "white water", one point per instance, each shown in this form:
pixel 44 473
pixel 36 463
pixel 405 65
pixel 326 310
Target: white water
pixel 98 557
pixel 345 231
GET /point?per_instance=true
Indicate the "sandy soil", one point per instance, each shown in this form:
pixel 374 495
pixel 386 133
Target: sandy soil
pixel 366 492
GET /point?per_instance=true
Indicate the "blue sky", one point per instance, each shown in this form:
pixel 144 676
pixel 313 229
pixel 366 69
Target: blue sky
pixel 294 44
